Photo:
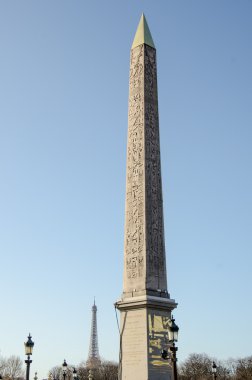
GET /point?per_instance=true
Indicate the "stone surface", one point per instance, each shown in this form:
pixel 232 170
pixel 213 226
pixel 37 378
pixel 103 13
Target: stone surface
pixel 145 305
pixel 144 334
pixel 144 252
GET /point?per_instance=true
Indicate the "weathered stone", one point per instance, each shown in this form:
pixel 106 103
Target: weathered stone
pixel 145 304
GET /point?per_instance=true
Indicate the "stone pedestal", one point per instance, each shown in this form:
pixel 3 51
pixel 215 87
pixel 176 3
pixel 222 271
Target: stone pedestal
pixel 144 334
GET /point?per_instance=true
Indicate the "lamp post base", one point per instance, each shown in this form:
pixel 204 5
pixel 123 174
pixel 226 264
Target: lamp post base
pixel 174 350
pixel 28 363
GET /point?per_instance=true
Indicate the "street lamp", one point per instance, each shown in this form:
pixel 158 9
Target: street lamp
pixel 173 337
pixel 214 370
pixel 64 369
pixel 75 374
pixel 28 351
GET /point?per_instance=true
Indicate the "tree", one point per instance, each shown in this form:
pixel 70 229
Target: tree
pixel 196 367
pixel 11 368
pixel 199 367
pixel 224 370
pixel 2 365
pixel 14 367
pixel 55 373
pixel 105 371
pixel 82 372
pixel 244 369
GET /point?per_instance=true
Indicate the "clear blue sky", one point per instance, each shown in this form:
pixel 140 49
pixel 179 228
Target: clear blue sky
pixel 63 127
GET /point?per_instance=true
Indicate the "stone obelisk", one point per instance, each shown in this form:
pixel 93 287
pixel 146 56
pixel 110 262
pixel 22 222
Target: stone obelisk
pixel 145 306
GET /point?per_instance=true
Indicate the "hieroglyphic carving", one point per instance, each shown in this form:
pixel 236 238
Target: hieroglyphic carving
pixel 144 231
pixel 134 222
pixel 155 247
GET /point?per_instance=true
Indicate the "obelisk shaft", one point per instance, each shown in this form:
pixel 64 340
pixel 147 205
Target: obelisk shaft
pixel 144 253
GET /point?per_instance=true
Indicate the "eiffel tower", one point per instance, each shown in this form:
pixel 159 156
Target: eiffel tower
pixel 93 359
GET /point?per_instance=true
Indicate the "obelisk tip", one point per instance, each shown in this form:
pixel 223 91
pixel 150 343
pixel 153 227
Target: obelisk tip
pixel 143 34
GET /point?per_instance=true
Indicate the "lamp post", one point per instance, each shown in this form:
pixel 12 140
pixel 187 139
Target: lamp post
pixel 75 376
pixel 64 369
pixel 214 370
pixel 173 337
pixel 28 351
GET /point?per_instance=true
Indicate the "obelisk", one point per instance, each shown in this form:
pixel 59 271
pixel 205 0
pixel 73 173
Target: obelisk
pixel 145 305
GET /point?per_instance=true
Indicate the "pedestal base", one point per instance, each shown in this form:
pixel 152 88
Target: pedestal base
pixel 144 334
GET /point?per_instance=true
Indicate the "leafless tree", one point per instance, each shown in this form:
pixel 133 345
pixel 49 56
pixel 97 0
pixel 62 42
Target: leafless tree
pixel 55 373
pixel 105 371
pixel 14 367
pixel 11 368
pixel 82 372
pixel 199 367
pixel 244 369
pixel 196 367
pixel 2 365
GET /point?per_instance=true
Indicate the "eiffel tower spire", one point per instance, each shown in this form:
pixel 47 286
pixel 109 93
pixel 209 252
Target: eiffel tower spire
pixel 93 354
